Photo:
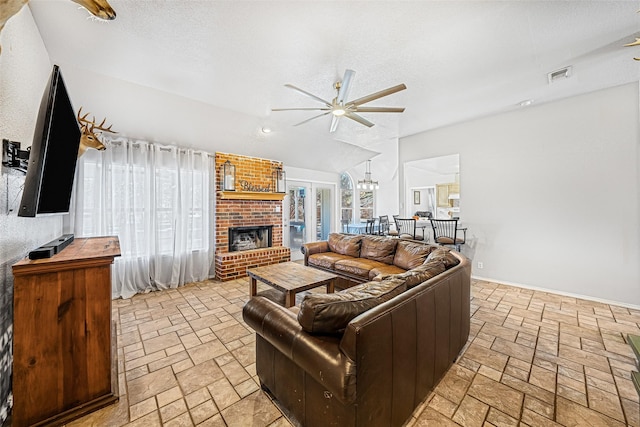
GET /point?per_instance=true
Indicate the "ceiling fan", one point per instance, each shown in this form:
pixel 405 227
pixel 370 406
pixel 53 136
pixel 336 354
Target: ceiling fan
pixel 339 107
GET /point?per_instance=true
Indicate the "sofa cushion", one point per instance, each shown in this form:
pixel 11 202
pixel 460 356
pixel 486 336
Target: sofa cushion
pixel 444 255
pixel 345 244
pixel 422 273
pixel 378 248
pixel 357 266
pixel 326 259
pixel 411 254
pixel 386 270
pixel 331 313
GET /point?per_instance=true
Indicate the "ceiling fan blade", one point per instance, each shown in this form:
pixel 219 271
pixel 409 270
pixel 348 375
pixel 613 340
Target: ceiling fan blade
pixel 380 109
pixel 301 109
pixel 377 95
pixel 312 118
pixel 344 86
pixel 359 119
pixel 310 95
pixel 334 123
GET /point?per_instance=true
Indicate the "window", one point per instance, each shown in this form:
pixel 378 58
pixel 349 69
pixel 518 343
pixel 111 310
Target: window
pixel 346 198
pixel 366 204
pixel 156 200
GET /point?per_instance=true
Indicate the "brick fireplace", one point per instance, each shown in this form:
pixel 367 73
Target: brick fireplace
pixel 246 212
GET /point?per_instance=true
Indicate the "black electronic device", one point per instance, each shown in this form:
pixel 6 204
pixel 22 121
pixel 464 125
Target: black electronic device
pixel 42 252
pixel 54 152
pixel 60 243
pixel 53 247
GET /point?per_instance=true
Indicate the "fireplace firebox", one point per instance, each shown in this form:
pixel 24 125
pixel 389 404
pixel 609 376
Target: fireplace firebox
pixel 250 237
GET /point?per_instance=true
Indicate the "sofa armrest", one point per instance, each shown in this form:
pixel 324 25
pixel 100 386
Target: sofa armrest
pixel 314 248
pixel 318 355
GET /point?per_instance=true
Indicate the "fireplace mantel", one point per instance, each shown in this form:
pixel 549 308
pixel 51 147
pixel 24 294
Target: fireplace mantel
pixel 250 195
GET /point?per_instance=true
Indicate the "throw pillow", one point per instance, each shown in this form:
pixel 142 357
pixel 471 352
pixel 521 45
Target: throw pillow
pixel 345 244
pixel 331 313
pixel 410 254
pixel 444 255
pixel 422 273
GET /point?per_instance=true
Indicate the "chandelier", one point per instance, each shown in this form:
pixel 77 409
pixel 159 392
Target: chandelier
pixel 367 183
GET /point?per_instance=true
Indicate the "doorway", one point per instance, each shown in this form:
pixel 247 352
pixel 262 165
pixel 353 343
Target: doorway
pixel 296 218
pixel 308 214
pixel 433 181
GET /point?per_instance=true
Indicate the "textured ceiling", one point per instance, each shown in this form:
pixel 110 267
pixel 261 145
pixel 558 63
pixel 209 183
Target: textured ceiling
pixel 459 60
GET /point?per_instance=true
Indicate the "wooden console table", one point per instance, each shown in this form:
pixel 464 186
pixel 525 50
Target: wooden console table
pixel 62 342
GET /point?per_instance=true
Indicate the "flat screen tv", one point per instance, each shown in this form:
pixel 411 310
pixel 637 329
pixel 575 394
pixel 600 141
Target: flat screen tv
pixel 54 152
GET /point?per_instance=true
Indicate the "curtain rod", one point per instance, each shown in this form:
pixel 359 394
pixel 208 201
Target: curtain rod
pixel 118 140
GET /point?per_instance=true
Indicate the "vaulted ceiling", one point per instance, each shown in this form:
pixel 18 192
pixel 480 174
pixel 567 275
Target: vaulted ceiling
pixel 460 60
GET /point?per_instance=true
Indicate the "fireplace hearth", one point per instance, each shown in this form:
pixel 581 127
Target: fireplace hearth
pixel 250 237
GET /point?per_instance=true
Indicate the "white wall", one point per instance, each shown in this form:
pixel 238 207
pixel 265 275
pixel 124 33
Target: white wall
pixel 550 193
pixel 24 72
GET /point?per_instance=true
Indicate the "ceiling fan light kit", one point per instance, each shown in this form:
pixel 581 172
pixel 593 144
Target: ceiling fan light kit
pixel 338 107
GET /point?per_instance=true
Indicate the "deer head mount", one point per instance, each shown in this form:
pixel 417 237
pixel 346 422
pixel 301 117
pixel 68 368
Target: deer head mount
pixel 89 137
pixel 101 9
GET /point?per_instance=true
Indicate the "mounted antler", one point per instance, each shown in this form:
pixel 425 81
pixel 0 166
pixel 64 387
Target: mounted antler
pixel 89 137
pixel 101 9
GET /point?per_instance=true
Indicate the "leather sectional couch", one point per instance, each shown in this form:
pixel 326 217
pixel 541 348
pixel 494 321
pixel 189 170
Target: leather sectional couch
pixel 367 355
pixel 360 258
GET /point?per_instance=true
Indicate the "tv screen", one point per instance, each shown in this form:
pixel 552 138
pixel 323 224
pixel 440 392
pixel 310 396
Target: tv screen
pixel 54 152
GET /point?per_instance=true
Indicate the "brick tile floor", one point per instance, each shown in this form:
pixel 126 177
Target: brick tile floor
pixel 185 358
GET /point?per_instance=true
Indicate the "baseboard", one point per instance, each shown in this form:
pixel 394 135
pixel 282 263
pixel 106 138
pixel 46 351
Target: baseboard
pixel 555 291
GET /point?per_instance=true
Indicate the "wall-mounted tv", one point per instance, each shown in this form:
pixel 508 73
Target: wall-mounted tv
pixel 54 152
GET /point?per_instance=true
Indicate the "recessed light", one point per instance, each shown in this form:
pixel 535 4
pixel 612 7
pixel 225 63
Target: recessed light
pixel 266 129
pixel 525 103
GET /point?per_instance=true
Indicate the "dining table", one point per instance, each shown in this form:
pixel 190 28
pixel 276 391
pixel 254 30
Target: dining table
pixel 356 227
pixel 359 228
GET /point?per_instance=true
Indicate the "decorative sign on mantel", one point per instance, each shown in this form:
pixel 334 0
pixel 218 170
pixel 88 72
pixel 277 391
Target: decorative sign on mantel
pixel 247 186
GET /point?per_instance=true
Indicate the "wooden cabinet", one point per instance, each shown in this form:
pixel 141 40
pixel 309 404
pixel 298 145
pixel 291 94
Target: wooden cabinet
pixel 63 345
pixel 443 191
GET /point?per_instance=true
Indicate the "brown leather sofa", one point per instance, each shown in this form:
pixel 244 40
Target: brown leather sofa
pixel 366 356
pixel 360 258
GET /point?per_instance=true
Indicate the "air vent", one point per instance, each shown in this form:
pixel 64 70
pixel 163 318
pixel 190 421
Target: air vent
pixel 561 74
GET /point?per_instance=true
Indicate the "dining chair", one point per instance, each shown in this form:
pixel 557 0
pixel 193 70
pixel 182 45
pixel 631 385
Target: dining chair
pixel 370 227
pixel 445 232
pixel 383 225
pixel 394 232
pixel 407 228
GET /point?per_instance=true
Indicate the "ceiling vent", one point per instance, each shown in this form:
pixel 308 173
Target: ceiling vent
pixel 561 74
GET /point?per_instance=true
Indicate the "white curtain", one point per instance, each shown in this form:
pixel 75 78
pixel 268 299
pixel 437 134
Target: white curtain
pixel 155 198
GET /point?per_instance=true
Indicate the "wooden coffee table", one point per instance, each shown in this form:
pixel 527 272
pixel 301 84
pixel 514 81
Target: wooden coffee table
pixel 290 278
